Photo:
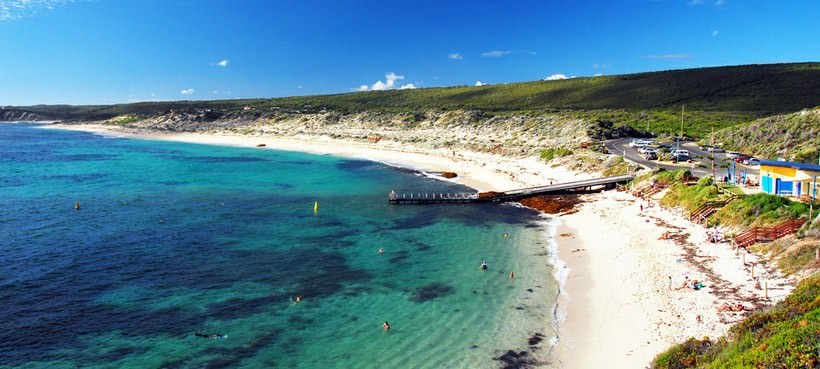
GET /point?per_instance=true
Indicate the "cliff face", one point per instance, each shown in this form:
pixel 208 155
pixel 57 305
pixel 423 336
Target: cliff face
pixel 513 134
pixel 16 115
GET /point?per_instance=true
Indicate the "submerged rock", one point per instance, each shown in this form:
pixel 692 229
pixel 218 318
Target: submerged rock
pixel 431 291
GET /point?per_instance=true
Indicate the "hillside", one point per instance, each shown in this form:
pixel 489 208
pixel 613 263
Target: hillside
pixel 793 136
pixel 714 98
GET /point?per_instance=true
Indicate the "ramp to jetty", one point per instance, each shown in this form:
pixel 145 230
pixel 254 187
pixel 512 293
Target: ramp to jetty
pixel 420 198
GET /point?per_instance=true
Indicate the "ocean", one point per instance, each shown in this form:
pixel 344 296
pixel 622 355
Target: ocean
pixel 174 239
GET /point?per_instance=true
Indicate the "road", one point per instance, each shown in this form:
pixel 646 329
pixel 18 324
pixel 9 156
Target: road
pixel 620 146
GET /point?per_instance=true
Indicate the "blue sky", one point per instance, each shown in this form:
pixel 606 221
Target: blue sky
pixel 119 51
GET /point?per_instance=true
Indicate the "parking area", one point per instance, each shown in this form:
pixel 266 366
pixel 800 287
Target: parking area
pixel 685 154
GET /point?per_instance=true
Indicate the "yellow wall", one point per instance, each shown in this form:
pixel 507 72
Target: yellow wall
pixel 778 172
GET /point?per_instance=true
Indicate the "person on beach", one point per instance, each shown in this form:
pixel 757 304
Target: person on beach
pixel 686 283
pixel 386 326
pixel 483 265
pixel 727 307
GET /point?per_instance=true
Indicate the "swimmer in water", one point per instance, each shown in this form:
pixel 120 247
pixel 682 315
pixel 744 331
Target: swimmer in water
pixel 512 275
pixel 483 265
pixel 386 326
pixel 381 251
pixel 212 336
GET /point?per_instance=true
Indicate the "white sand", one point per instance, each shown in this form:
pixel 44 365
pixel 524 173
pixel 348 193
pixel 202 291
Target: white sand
pixel 620 311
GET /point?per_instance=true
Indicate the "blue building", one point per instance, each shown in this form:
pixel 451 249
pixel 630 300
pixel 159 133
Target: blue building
pixel 787 178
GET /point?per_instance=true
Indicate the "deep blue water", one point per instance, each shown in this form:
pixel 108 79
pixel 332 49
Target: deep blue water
pixel 173 239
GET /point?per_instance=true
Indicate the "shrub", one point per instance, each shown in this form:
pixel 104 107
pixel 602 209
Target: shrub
pixel 552 153
pixel 783 337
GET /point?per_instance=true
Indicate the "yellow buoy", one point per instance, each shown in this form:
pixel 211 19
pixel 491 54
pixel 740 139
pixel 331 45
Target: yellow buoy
pixel 315 206
pixel 77 205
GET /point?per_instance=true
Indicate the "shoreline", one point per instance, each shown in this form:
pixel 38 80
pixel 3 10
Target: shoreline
pixel 615 279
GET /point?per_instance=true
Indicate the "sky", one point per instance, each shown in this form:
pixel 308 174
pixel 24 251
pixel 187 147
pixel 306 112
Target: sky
pixel 121 51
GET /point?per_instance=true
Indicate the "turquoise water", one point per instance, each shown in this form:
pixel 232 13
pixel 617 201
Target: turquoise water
pixel 175 239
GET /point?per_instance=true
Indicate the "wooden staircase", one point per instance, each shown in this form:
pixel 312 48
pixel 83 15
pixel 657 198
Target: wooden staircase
pixel 702 213
pixel 649 190
pixel 768 234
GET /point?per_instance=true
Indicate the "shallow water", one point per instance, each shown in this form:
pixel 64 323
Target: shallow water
pixel 173 239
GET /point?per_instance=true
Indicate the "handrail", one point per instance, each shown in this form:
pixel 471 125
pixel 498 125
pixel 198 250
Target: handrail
pixel 772 233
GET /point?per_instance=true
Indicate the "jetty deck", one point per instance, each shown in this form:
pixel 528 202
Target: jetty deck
pixel 421 198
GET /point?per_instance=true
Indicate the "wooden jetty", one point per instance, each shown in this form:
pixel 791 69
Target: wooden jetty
pixel 406 198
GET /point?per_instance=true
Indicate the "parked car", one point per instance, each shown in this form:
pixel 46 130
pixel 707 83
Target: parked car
pixel 732 154
pixel 752 161
pixel 715 149
pixel 651 155
pixel 640 143
pixel 741 158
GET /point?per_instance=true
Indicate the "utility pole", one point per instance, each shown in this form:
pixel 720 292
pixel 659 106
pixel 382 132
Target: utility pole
pixel 712 145
pixel 681 125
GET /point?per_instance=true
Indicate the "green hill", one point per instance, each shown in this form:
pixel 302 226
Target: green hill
pixel 793 136
pixel 714 98
pixel 771 88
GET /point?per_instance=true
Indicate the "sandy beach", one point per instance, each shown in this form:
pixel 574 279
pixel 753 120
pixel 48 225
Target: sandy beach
pixel 622 302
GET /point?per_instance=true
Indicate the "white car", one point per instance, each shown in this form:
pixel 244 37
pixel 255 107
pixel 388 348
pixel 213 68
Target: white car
pixel 640 143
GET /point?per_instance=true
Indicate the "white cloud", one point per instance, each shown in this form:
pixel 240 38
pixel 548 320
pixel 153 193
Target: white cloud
pixel 598 74
pixel 701 2
pixel 715 33
pixel 600 65
pixel 556 77
pixel 496 53
pixel 389 84
pixel 669 56
pixel 222 63
pixel 455 56
pixel 16 9
pixel 187 91
pixel 479 83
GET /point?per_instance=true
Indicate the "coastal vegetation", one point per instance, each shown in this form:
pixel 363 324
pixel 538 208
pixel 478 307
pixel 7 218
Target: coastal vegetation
pixel 760 209
pixel 785 336
pixel 642 103
pixel 794 137
pixel 552 153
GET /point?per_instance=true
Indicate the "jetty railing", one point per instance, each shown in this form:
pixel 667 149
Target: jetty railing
pixel 513 195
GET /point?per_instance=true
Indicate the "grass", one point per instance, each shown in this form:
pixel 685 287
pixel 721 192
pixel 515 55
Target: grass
pixel 715 98
pixel 793 136
pixel 552 153
pixel 760 209
pixel 785 336
pixel 690 197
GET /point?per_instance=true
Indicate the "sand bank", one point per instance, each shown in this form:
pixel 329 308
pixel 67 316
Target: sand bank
pixel 619 308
